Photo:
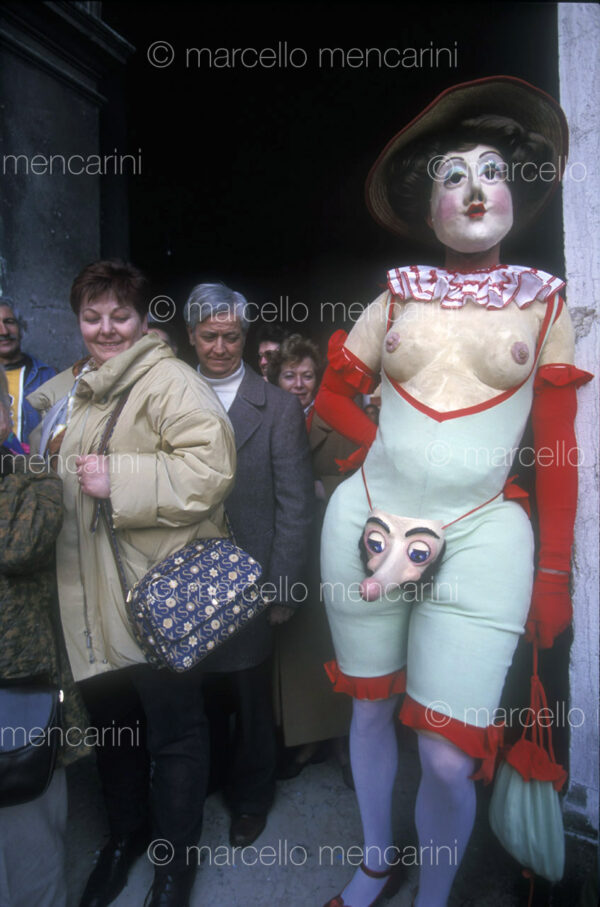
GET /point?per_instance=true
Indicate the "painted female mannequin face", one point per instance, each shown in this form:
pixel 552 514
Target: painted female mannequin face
pixel 471 205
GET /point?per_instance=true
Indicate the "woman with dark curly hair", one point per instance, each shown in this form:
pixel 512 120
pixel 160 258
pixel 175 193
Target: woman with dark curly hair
pixel 465 353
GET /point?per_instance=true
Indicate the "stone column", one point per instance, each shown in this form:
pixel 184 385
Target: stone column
pixel 579 39
pixel 55 60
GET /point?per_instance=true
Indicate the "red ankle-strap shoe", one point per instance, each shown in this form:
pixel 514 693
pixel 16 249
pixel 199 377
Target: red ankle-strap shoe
pixel 394 879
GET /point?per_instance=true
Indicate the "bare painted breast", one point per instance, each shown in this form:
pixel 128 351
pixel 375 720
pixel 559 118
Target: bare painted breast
pixel 452 358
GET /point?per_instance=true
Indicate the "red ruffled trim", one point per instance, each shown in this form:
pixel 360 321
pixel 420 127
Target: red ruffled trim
pixel 353 370
pixel 366 687
pixel 558 375
pixel 533 763
pixel 479 742
pixel 513 492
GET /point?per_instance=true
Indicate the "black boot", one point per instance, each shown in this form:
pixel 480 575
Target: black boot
pixel 109 876
pixel 171 889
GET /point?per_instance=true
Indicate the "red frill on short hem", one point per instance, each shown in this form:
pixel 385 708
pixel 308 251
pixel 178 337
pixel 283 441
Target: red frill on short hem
pixel 366 687
pixel 559 375
pixel 479 742
pixel 353 370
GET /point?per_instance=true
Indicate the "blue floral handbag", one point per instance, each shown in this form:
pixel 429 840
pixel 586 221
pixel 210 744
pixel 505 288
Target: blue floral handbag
pixel 193 601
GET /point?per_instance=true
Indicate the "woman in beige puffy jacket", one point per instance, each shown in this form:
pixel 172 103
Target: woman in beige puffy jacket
pixel 169 466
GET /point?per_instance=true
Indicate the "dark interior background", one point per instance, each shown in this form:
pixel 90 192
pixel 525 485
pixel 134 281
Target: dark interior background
pixel 256 176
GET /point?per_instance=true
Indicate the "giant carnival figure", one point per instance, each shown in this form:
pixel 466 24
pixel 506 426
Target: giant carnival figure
pixel 465 354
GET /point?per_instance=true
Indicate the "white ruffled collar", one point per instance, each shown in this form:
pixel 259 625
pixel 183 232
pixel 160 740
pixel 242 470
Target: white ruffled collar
pixel 493 288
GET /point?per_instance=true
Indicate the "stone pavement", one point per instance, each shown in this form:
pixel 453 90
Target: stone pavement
pixel 308 849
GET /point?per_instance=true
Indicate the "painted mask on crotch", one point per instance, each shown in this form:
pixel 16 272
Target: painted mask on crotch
pixel 397 550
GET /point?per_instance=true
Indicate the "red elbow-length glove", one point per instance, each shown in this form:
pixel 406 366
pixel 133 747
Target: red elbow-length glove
pixel 345 377
pixel 553 417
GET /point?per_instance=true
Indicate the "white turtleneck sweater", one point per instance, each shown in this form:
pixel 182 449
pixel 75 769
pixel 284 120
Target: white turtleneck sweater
pixel 225 388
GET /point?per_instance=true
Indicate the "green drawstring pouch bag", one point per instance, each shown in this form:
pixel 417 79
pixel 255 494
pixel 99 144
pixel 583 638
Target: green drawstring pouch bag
pixel 526 818
pixel 525 812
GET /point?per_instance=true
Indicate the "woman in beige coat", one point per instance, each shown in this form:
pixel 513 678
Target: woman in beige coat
pixel 170 464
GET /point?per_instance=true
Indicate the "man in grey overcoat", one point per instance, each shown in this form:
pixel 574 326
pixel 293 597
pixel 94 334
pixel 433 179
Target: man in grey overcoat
pixel 271 513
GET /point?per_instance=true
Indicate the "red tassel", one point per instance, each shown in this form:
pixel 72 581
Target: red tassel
pixel 533 754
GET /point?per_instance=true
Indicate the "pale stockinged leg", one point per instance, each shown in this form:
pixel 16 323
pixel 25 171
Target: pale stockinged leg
pixel 374 760
pixel 445 813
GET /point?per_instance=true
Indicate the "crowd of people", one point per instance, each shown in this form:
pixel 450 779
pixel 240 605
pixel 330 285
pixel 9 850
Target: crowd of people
pixel 316 483
pixel 220 436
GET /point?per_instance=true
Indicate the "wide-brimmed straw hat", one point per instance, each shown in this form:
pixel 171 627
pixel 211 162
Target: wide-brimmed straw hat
pixel 504 96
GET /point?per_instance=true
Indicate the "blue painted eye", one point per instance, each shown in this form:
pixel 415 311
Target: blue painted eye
pixel 375 542
pixel 419 552
pixel 455 175
pixel 493 170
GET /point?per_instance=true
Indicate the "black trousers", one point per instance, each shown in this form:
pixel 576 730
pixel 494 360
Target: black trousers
pixel 243 745
pixel 153 729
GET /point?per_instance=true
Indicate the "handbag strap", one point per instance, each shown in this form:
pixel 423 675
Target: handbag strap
pixel 103 447
pixel 102 506
pixel 104 509
pixel 229 526
pixel 112 421
pixel 106 512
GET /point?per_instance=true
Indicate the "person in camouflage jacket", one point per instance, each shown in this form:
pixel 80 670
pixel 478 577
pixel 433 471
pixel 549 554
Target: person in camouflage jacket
pixel 32 834
pixel 30 518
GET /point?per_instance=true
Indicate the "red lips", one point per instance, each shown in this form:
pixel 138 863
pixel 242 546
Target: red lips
pixel 475 210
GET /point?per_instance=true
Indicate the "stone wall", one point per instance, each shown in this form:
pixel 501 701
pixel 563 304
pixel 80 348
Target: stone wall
pixel 579 38
pixel 54 61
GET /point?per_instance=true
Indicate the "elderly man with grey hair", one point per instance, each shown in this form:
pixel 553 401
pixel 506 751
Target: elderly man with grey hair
pixel 270 510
